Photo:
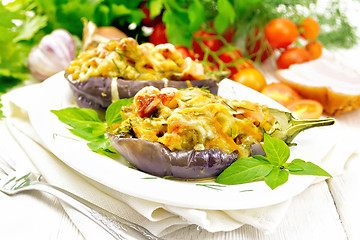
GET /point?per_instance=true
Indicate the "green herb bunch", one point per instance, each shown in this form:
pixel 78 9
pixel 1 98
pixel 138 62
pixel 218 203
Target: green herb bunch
pixel 184 17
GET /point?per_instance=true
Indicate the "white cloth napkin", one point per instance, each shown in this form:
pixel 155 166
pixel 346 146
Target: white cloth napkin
pixel 159 218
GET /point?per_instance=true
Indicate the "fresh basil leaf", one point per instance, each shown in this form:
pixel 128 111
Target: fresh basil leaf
pixel 86 124
pixel 300 167
pixel 276 177
pixel 113 112
pixel 276 150
pixel 294 167
pixel 99 144
pixel 244 170
pixel 260 157
pixel 77 117
pixel 91 132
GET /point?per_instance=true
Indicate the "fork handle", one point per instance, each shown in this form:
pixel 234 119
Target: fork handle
pixel 118 227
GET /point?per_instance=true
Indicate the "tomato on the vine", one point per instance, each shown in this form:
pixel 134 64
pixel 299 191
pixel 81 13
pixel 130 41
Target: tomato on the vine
pixel 257 46
pixel 306 109
pixel 251 78
pixel 230 56
pixel 281 32
pixel 292 56
pixel 314 48
pixel 158 36
pixel 309 28
pixel 281 93
pixel 229 34
pixel 234 61
pixel 210 40
pixel 184 52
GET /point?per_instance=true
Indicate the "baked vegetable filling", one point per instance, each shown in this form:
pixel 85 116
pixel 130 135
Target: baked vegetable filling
pixel 195 119
pixel 126 59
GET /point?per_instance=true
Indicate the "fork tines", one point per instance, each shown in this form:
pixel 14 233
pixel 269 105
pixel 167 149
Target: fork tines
pixel 6 163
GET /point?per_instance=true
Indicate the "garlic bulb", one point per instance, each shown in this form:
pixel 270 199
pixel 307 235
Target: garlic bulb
pixel 53 54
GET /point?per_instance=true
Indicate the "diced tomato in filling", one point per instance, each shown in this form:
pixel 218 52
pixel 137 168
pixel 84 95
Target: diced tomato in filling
pixel 146 101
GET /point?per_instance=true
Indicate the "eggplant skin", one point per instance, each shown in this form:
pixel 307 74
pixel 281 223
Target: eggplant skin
pixel 156 159
pixel 95 92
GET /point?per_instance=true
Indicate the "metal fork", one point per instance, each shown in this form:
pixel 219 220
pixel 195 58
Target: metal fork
pixel 13 182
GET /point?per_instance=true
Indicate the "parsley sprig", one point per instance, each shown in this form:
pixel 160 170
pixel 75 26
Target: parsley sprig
pixel 273 169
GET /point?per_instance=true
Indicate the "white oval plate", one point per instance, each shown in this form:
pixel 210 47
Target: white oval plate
pixel 116 174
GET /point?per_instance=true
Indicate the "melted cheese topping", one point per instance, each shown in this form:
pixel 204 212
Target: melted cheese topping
pixel 195 119
pixel 127 59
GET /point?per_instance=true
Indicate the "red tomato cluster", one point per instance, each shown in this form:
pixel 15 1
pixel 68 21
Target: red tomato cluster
pixel 281 34
pixel 220 58
pixel 218 54
pixel 223 56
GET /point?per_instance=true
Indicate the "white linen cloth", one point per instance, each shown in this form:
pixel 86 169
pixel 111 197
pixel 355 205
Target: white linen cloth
pixel 159 218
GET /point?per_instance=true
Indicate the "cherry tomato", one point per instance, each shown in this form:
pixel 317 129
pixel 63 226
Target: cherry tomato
pixel 309 29
pixel 314 48
pixel 258 47
pixel 214 44
pixel 306 109
pixel 184 52
pixel 281 93
pixel 281 32
pixel 158 36
pixel 227 57
pixel 251 78
pixel 292 56
pixel 229 34
pixel 240 65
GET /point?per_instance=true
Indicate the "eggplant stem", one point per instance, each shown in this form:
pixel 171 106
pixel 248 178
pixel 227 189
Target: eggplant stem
pixel 298 125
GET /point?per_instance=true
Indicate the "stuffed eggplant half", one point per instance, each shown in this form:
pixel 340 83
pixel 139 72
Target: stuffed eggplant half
pixel 120 68
pixel 191 133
